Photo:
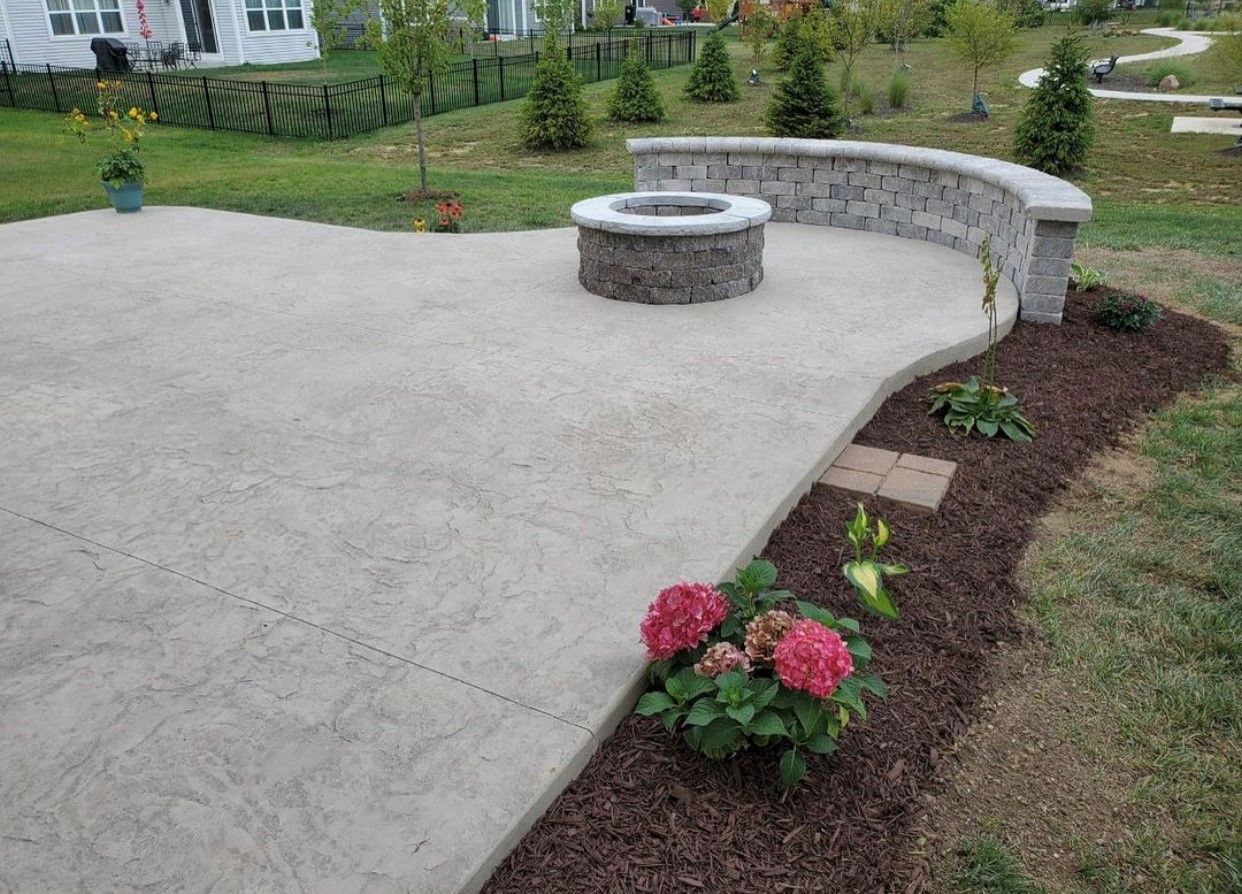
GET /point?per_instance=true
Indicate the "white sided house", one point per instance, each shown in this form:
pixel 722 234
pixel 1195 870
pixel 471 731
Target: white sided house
pixel 219 32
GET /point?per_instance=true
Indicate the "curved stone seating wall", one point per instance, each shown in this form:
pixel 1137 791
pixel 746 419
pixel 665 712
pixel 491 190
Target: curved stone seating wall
pixel 948 198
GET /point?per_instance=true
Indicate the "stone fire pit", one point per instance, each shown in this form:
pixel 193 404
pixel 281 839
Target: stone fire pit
pixel 670 248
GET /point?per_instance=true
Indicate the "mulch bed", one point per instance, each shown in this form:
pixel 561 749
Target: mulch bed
pixel 649 815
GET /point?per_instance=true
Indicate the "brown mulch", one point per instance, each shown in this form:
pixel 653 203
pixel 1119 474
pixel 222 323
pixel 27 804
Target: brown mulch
pixel 649 815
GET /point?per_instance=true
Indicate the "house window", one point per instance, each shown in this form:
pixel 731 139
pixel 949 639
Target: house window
pixel 70 17
pixel 274 15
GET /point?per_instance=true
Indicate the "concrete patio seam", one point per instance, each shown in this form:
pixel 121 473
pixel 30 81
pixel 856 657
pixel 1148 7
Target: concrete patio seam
pixel 292 617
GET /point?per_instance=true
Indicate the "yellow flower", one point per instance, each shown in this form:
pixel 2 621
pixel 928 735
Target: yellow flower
pixel 155 117
pixel 100 85
pixel 420 225
pixel 112 115
pixel 133 111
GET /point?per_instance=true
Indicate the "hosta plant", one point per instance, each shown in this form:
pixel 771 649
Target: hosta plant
pixel 744 664
pixel 987 409
pixel 1086 279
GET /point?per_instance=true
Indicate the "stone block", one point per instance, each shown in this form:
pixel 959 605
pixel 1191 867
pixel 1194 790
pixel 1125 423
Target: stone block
pixel 910 231
pixel 915 489
pixel 887 227
pixel 866 181
pixel 796 175
pixel 744 187
pixel 953 227
pixel 826 175
pixel 849 480
pixel 724 172
pixel 777 188
pixel 942 467
pixel 879 196
pixel 923 219
pixel 816 218
pixel 897 184
pixel 849 193
pixel 829 206
pixel 848 221
pixel 896 214
pixel 867 459
pixel 883 168
pixel 1052 247
pixel 862 209
pixel 915 172
pixel 928 190
pixel 1049 266
pixel 797 203
pixel 913 202
pixel 691 172
pixel 1063 228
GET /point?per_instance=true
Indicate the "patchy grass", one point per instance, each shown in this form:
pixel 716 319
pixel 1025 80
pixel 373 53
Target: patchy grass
pixel 1110 757
pixel 987 867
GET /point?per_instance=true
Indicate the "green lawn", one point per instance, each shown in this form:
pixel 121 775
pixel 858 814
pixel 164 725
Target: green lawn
pixel 1149 186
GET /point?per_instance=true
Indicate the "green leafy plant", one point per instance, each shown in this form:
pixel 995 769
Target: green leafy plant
pixel 865 95
pixel 1093 12
pixel 636 96
pixel 554 114
pixel 712 78
pixel 1086 279
pixel 760 26
pixel 804 105
pixel 124 131
pixel 1161 70
pixel 607 14
pixel 979 404
pixel 1056 127
pixel 981 35
pixel 744 664
pixel 853 27
pixel 898 89
pixel 1127 313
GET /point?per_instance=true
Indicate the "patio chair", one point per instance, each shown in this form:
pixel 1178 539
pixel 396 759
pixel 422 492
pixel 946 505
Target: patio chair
pixel 1099 69
pixel 174 55
pixel 194 53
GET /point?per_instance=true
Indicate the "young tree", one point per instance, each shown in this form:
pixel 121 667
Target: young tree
pixel 1226 57
pixel 901 20
pixel 554 114
pixel 557 15
pixel 853 25
pixel 607 14
pixel 805 105
pixel 475 14
pixel 719 10
pixel 760 26
pixel 712 78
pixel 980 34
pixel 327 20
pixel 636 97
pixel 1055 129
pixel 412 46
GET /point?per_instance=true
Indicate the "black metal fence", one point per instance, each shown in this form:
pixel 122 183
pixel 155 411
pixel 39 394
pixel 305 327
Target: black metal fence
pixel 330 111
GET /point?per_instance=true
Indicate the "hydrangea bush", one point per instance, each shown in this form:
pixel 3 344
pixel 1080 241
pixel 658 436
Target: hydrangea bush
pixel 743 664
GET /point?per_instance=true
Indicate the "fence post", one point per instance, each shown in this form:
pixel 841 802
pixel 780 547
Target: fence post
pixel 327 108
pixel 52 80
pixel 599 76
pixel 668 45
pixel 211 118
pixel 569 51
pixel 500 74
pixel 475 69
pixel 267 110
pixel 8 83
pixel 431 89
pixel 383 102
pixel 650 57
pixel 155 105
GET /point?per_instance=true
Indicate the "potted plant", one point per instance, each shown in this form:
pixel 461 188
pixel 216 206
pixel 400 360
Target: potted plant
pixel 121 171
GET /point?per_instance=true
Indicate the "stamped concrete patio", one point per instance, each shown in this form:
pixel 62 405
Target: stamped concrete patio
pixel 324 549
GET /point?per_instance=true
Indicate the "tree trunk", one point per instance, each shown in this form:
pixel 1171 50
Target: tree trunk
pixel 974 90
pixel 422 148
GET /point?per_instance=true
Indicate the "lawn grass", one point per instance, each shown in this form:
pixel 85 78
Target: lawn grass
pixel 1135 166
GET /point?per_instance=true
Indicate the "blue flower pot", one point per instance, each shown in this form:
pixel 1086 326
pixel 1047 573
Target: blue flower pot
pixel 126 198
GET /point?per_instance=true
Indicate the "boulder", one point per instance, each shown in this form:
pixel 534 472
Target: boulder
pixel 1169 82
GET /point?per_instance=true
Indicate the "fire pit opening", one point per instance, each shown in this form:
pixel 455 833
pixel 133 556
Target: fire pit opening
pixel 670 248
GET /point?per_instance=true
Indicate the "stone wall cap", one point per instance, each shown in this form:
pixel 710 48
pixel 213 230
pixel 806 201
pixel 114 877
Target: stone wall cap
pixel 1043 196
pixel 734 213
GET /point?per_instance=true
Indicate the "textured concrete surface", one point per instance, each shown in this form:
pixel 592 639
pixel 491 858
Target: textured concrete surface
pixel 324 549
pixel 1189 43
pixel 1229 126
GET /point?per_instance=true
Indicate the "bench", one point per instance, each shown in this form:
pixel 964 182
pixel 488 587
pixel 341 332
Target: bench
pixel 931 195
pixel 1225 105
pixel 1101 68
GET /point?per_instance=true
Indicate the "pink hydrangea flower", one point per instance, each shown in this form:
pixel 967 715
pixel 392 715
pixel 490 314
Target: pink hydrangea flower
pixel 680 617
pixel 813 658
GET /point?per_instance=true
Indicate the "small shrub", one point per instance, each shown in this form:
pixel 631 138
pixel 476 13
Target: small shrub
pixel 789 36
pixel 712 78
pixel 1093 12
pixel 1159 71
pixel 865 96
pixel 554 114
pixel 899 89
pixel 1185 24
pixel 1165 18
pixel 636 97
pixel 1127 313
pixel 1029 13
pixel 760 26
pixel 804 105
pixel 1055 129
pixel 1086 279
pixel 448 216
pixel 124 132
pixel 744 664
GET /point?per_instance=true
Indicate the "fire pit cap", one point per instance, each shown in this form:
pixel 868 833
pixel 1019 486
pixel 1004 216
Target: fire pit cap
pixel 721 213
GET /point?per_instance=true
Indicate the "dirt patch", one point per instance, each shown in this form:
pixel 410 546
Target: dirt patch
pixel 969 118
pixel 647 814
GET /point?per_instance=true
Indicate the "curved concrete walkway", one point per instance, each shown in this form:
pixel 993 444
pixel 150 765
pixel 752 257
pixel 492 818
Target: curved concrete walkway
pixel 325 549
pixel 1190 44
